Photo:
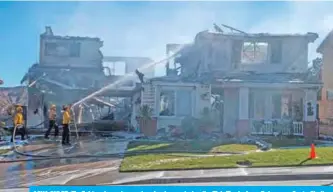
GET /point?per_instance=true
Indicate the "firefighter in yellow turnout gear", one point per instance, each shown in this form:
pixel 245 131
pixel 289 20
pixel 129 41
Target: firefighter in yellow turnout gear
pixel 66 118
pixel 52 122
pixel 19 123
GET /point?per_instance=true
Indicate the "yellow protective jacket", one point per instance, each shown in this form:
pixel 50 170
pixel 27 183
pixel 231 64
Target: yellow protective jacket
pixel 52 114
pixel 66 117
pixel 18 119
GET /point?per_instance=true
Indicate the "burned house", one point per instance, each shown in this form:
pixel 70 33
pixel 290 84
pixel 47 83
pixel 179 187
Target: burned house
pixel 262 81
pixel 69 69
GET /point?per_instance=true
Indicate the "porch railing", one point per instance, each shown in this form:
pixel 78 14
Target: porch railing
pixel 260 127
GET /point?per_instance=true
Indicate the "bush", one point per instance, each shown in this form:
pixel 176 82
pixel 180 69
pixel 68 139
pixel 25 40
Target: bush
pixel 190 127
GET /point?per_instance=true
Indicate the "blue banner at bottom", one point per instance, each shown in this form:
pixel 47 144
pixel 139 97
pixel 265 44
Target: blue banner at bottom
pixel 180 189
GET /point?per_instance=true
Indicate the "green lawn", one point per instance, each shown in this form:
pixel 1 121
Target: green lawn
pixel 3 151
pixel 166 159
pixel 285 142
pixel 188 147
pixel 283 157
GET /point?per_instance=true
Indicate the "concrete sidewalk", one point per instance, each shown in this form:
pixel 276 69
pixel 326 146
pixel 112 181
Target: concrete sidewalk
pixel 229 175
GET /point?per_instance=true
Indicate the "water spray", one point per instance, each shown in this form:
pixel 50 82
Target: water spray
pixel 125 77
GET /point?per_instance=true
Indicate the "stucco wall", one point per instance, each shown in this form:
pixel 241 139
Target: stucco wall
pixel 198 101
pixel 222 53
pixel 326 106
pixel 294 58
pixel 89 53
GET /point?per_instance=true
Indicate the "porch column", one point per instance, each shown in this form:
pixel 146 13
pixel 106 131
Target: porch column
pixel 310 128
pixel 243 126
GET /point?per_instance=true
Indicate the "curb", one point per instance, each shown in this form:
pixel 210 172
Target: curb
pixel 235 167
pixel 312 176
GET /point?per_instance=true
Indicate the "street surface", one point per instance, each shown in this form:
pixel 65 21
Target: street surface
pixel 102 171
pixel 60 171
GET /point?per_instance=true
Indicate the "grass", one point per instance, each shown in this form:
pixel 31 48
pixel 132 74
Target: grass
pixel 4 151
pixel 189 147
pixel 282 157
pixel 285 142
pixel 175 155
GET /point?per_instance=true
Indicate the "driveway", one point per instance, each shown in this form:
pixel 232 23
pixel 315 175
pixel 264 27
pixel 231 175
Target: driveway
pixel 60 171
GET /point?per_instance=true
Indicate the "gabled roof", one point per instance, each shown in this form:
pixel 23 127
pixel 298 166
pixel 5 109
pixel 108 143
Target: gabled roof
pixel 326 41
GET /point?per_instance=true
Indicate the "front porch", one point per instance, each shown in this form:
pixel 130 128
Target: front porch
pixel 276 127
pixel 270 110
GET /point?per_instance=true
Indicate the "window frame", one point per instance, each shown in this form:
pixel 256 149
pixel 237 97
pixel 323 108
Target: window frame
pixel 254 44
pixel 175 91
pixel 329 98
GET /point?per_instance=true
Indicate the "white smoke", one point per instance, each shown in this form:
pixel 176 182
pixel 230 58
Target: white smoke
pixel 128 31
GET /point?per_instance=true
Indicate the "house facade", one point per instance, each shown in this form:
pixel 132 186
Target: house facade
pixel 326 96
pixel 261 79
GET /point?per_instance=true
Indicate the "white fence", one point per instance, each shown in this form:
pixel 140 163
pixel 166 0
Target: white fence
pixel 274 128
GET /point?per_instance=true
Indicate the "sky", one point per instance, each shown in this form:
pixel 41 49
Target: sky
pixel 144 28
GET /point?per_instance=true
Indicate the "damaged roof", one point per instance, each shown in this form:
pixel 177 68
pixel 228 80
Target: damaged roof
pixel 310 36
pixel 49 34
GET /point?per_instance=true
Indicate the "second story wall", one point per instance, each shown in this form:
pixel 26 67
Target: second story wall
pixel 262 53
pixel 284 54
pixel 70 51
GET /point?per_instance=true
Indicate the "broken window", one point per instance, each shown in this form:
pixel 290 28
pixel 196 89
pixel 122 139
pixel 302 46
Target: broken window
pixel 276 52
pixel 176 103
pixel 74 50
pixel 50 49
pixel 167 103
pixel 254 53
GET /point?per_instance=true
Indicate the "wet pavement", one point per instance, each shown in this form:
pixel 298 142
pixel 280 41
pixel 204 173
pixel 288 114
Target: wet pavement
pixel 60 171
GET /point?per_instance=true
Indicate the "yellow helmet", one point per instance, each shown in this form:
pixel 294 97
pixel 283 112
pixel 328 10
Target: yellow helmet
pixel 19 109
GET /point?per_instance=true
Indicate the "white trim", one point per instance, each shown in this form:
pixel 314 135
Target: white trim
pixel 175 90
pixel 264 85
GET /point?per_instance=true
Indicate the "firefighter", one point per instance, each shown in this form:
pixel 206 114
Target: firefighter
pixel 52 122
pixel 19 123
pixel 66 118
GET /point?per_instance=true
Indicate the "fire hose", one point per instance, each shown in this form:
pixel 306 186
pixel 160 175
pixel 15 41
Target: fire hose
pixel 36 157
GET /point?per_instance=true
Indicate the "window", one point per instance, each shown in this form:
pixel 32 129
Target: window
pixel 74 50
pixel 167 103
pixel 50 49
pixel 176 103
pixel 286 110
pixel 254 53
pixel 329 95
